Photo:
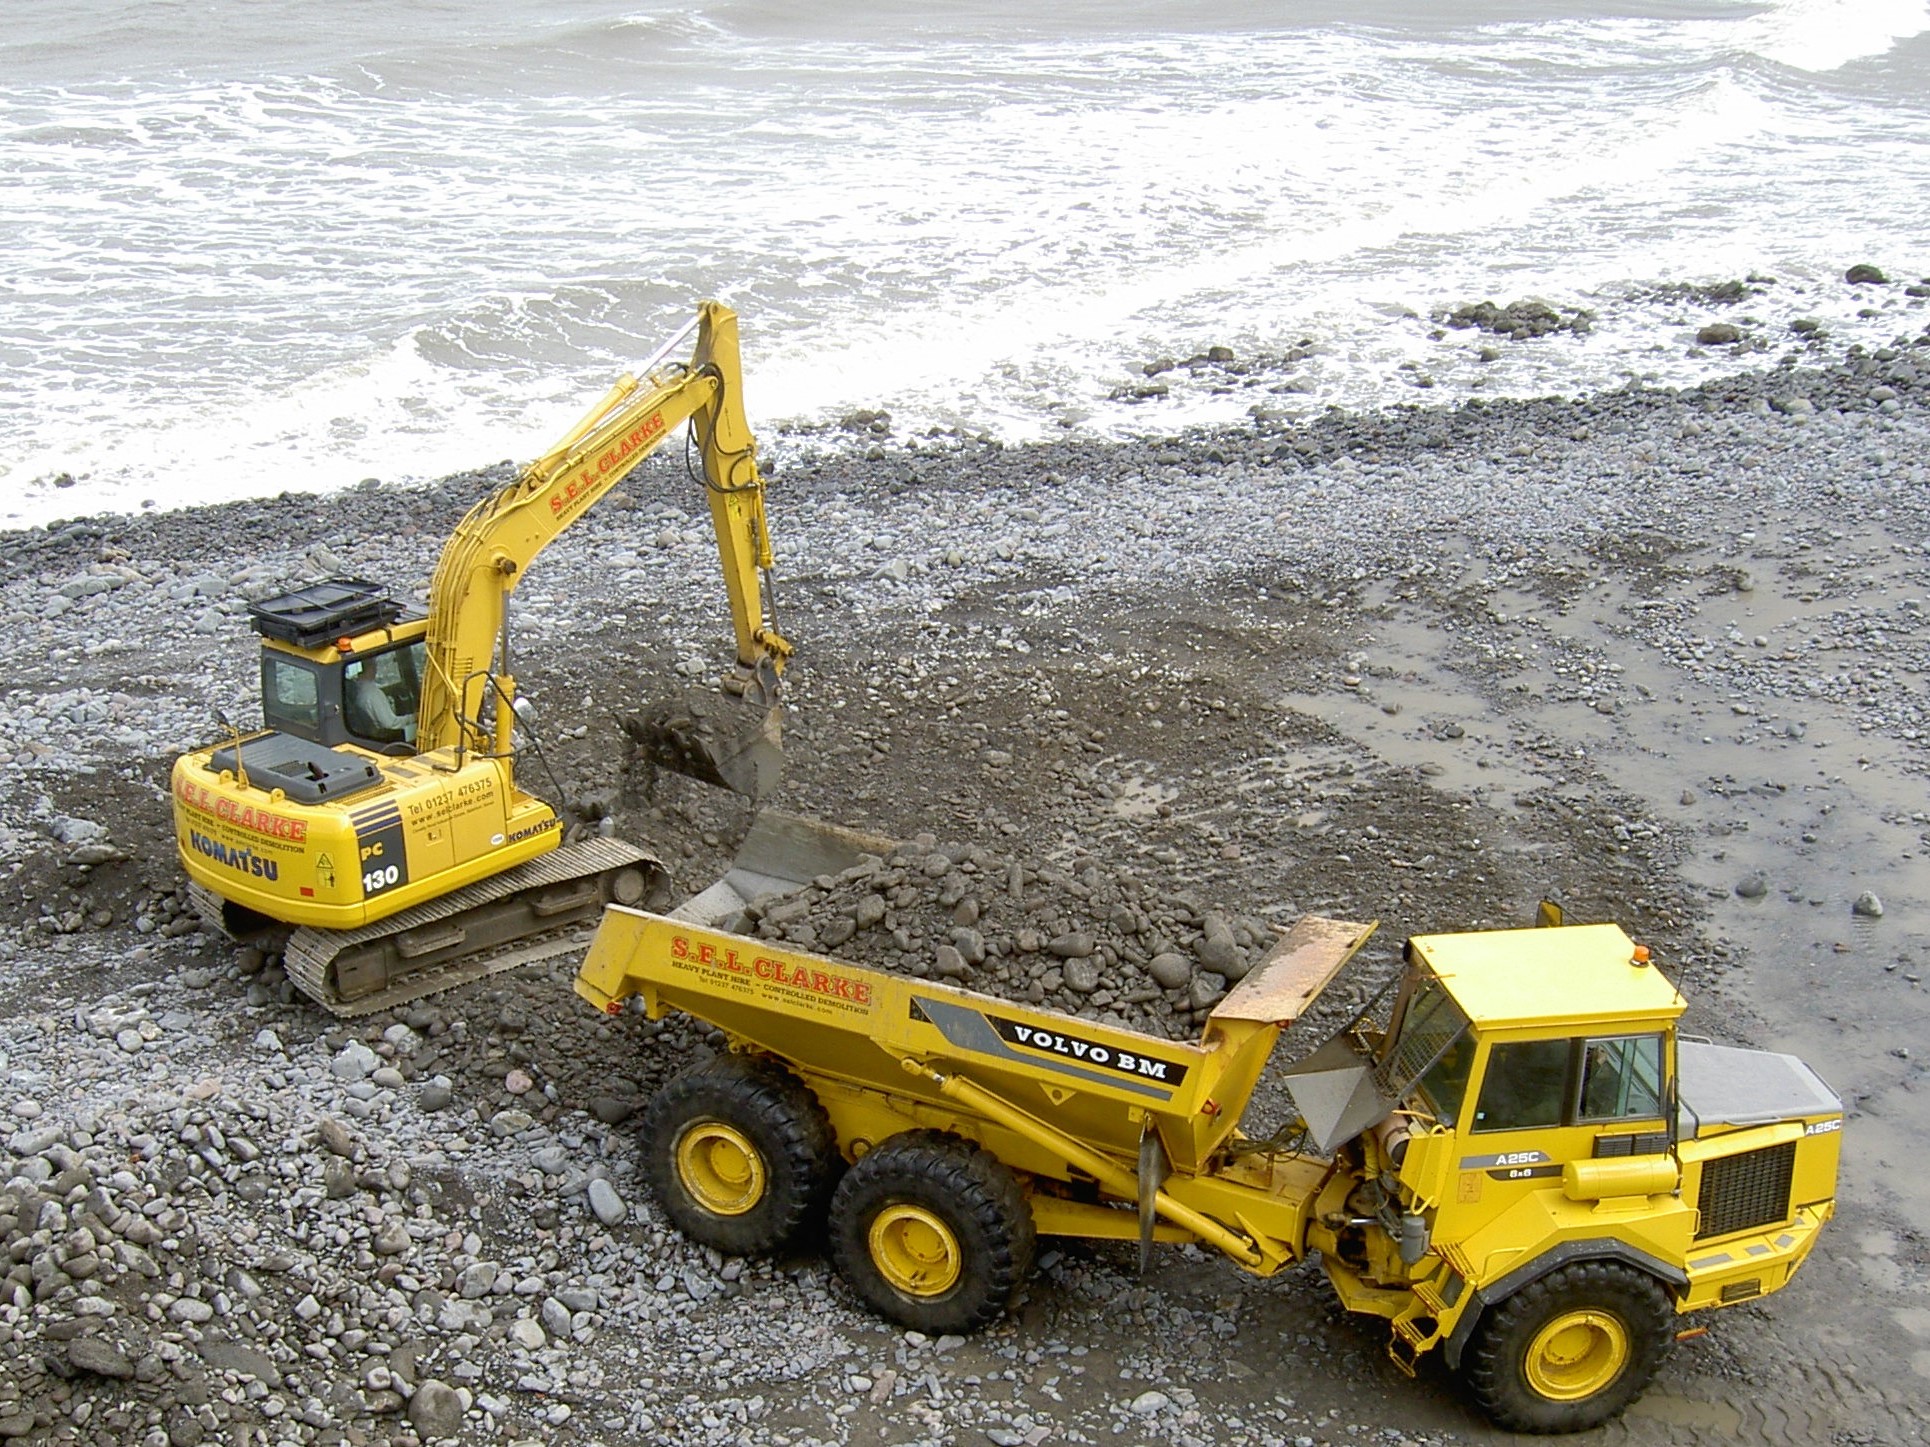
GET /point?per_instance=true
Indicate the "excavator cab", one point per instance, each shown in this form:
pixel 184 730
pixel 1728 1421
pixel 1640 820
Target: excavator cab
pixel 341 663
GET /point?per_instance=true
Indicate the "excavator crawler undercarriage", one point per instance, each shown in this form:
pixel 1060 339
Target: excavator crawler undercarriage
pixel 533 912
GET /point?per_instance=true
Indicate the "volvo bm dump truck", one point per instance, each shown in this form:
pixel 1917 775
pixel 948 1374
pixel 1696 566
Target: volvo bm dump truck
pixel 377 827
pixel 1511 1156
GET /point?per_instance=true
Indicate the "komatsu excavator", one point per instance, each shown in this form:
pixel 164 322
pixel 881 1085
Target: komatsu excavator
pixel 377 820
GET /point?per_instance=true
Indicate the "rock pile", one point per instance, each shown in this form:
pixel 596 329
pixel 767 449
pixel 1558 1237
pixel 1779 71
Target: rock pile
pixel 1520 320
pixel 1108 946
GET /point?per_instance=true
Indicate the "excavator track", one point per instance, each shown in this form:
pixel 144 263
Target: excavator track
pixel 533 912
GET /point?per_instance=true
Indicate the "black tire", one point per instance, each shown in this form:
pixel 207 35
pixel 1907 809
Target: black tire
pixel 932 1232
pixel 1570 1351
pixel 740 1153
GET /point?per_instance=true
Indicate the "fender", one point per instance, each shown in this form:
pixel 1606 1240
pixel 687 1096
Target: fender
pixel 1597 1248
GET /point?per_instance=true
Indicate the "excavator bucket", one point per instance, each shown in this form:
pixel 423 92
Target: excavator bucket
pixel 736 743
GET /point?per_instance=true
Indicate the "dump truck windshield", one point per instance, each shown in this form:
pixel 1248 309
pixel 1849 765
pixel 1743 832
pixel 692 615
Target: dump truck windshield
pixel 1431 1052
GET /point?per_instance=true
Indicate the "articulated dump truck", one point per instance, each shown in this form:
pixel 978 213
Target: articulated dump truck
pixel 1510 1155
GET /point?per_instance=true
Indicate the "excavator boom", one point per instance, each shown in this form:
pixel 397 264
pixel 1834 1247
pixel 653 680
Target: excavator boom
pixel 484 560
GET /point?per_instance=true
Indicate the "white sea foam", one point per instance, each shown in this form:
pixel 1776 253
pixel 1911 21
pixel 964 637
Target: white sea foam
pixel 1822 35
pixel 278 259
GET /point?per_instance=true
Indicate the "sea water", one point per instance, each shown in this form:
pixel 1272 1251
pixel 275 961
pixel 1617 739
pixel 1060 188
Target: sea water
pixel 258 245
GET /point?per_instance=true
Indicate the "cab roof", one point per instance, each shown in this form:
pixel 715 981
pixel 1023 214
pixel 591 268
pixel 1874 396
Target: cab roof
pixel 1577 974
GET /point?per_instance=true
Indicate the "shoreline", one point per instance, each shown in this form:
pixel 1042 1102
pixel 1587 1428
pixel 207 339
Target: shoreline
pixel 1808 351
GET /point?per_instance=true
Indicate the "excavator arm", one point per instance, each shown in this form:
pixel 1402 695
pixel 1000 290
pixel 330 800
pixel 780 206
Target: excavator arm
pixel 467 667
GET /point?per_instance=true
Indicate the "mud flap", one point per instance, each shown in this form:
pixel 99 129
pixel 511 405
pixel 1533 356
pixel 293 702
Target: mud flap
pixel 1154 1168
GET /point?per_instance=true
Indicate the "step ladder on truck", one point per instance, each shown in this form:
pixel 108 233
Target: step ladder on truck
pixel 1510 1155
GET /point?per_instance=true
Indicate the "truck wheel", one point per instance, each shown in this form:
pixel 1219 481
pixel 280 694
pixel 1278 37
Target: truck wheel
pixel 740 1153
pixel 932 1232
pixel 1571 1350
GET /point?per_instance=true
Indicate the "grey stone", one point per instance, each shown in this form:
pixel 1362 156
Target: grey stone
pixel 436 1409
pixel 528 1335
pixel 1207 989
pixel 606 1203
pixel 476 1280
pixel 1221 955
pixel 1752 886
pixel 460 1315
pixel 612 1110
pixel 355 1061
pixel 101 1357
pixel 1867 905
pixel 1169 970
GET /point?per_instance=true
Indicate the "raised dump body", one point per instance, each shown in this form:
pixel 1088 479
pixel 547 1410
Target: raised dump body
pixel 1503 1157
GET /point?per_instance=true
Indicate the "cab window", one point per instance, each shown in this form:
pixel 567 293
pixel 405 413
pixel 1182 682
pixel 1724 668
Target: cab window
pixel 1431 1051
pixel 381 692
pixel 290 693
pixel 1622 1078
pixel 1525 1085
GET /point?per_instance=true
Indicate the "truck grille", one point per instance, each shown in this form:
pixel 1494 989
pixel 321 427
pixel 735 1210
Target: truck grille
pixel 1746 1191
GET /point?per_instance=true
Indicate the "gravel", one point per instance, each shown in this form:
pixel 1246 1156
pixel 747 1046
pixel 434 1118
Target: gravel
pixel 1131 709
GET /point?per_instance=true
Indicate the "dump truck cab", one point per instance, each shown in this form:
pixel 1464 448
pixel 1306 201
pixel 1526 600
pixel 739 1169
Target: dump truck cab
pixel 1540 1120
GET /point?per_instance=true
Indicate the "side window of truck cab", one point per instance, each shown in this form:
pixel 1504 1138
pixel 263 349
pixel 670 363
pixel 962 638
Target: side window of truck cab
pixel 1525 1085
pixel 1530 1084
pixel 1621 1079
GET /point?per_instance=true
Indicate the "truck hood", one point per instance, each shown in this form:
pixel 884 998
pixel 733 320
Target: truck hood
pixel 1725 1087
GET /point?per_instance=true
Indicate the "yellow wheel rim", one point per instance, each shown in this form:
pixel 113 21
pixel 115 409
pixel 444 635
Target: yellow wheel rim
pixel 1576 1355
pixel 720 1168
pixel 914 1250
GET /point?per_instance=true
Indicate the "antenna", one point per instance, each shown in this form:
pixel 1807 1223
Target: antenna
pixel 241 773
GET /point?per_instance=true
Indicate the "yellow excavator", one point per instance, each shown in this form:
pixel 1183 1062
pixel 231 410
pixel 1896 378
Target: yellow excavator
pixel 375 828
